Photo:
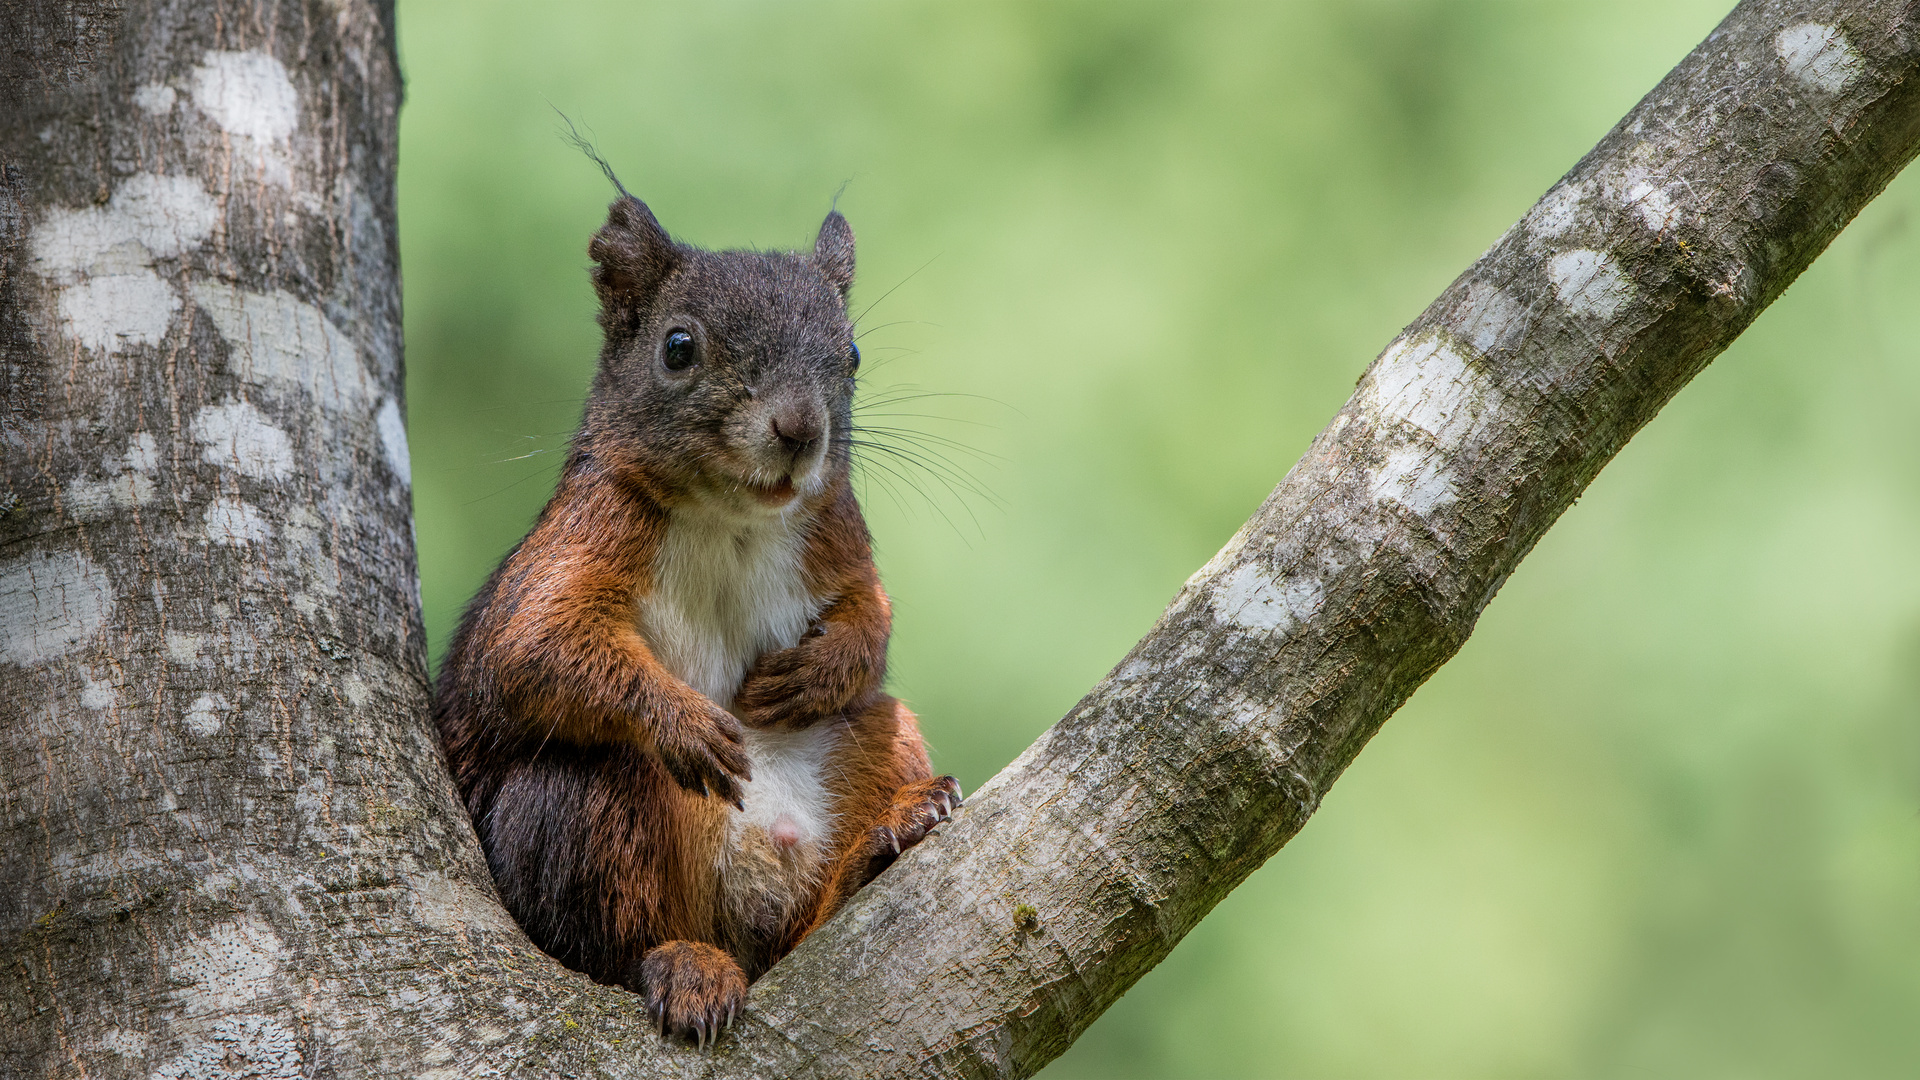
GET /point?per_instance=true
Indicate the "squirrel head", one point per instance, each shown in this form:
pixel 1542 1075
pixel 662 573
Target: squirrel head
pixel 725 376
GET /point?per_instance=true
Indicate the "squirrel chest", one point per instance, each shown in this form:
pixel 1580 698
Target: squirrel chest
pixel 725 590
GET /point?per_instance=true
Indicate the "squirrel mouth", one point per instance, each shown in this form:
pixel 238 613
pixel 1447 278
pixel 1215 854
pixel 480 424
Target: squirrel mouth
pixel 775 494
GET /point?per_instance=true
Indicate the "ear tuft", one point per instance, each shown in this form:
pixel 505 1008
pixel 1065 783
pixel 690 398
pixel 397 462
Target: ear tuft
pixel 833 252
pixel 632 255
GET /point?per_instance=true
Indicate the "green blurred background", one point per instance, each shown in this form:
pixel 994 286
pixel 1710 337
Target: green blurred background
pixel 1661 817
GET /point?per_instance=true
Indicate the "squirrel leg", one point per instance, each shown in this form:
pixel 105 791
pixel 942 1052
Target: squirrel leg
pixel 888 801
pixel 914 811
pixel 692 990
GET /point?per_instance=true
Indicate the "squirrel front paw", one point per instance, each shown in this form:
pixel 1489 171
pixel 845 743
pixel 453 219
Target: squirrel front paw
pixel 703 752
pixel 787 688
pixel 693 990
pixel 916 809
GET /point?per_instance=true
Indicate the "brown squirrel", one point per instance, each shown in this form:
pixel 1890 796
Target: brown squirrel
pixel 664 709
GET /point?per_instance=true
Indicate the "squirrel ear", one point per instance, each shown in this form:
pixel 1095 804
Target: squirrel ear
pixel 631 252
pixel 833 252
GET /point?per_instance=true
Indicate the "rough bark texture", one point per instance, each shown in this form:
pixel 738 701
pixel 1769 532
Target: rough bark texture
pixel 233 846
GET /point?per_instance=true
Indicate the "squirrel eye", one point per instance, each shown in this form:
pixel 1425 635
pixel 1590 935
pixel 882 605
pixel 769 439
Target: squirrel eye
pixel 854 352
pixel 678 353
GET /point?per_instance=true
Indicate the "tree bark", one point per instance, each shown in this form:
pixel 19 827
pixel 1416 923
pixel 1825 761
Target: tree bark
pixel 235 848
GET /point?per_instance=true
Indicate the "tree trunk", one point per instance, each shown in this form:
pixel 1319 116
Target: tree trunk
pixel 236 850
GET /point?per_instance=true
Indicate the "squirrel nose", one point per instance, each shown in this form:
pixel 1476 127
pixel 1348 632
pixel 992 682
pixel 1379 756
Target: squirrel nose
pixel 797 429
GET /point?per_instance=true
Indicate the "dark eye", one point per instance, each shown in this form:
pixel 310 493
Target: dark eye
pixel 853 353
pixel 678 352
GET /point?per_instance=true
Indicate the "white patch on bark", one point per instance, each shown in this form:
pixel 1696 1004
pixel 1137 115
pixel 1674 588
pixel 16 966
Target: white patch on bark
pixel 95 694
pixel 184 648
pixel 393 439
pixel 1556 212
pixel 1414 477
pixel 1426 383
pixel 113 311
pixel 279 343
pixel 1636 185
pixel 206 714
pixel 143 454
pixel 100 259
pixel 168 215
pixel 49 604
pixel 234 521
pixel 122 1042
pixel 247 94
pixel 229 968
pixel 94 500
pixel 1819 56
pixel 237 1046
pixel 155 98
pixel 238 436
pixel 1490 318
pixel 1136 668
pixel 162 216
pixel 1643 196
pixel 1247 597
pixel 1589 282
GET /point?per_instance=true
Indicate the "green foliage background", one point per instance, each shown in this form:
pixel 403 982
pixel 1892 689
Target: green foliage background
pixel 1661 817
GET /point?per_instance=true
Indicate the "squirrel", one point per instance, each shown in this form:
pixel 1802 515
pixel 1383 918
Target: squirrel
pixel 664 709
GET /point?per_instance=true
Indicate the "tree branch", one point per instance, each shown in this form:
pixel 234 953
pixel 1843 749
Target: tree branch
pixel 1208 747
pixel 282 876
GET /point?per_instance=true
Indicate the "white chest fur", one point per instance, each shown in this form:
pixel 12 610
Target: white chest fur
pixel 725 590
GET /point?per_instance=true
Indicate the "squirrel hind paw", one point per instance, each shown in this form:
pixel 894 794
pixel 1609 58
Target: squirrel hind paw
pixel 916 810
pixel 693 991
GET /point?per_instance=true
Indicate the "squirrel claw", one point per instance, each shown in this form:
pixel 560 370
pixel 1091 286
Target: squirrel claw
pixel 949 802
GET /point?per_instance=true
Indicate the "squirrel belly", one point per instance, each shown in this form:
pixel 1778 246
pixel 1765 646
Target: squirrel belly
pixel 726 588
pixel 775 852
